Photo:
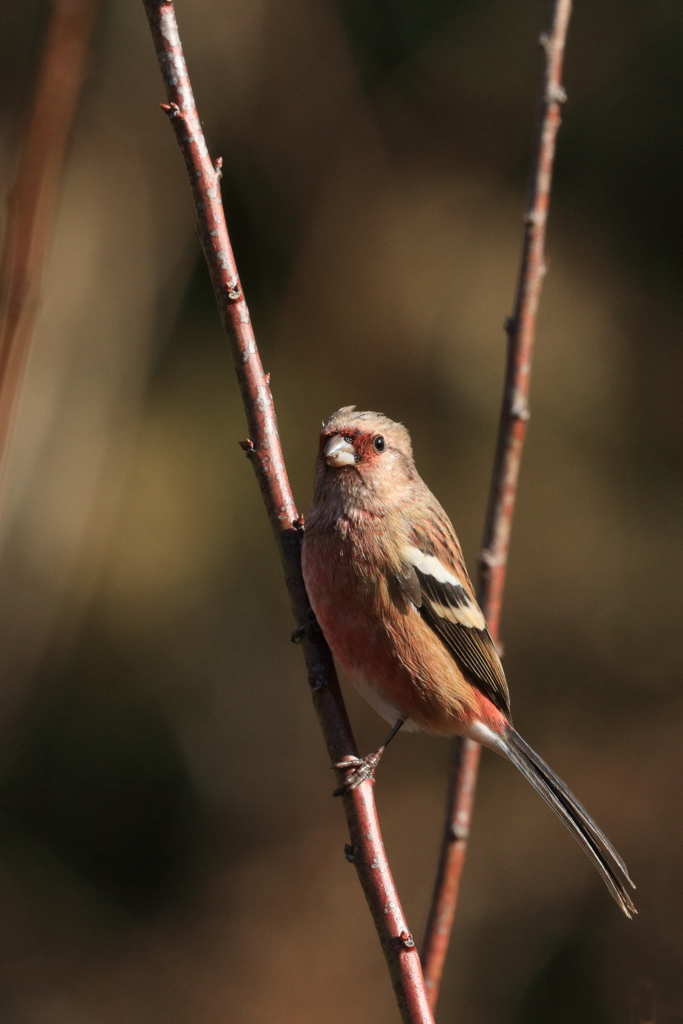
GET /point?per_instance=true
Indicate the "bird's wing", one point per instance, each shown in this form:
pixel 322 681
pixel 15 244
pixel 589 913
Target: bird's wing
pixel 433 571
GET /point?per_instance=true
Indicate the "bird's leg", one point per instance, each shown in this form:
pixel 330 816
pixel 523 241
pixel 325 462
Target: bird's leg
pixel 364 767
pixel 312 626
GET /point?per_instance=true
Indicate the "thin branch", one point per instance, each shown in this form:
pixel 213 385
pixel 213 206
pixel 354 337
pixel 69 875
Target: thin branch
pixel 33 200
pixel 365 850
pixel 521 328
pixel 462 779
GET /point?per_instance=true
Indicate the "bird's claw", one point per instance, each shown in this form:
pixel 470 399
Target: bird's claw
pixel 362 768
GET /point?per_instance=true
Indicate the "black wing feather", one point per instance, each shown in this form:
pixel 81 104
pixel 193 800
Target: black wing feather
pixel 472 648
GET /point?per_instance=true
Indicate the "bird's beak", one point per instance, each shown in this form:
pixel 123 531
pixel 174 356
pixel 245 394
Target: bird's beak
pixel 339 452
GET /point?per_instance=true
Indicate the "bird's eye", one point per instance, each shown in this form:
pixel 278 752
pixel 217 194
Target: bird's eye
pixel 379 443
pixel 347 438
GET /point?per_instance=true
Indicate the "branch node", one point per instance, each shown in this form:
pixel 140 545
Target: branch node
pixel 306 630
pixel 404 941
pixel 233 291
pixel 248 447
pixel 350 853
pixel 520 409
pixel 459 832
pixel 218 167
pixel 555 93
pixel 172 109
pixel 319 680
pixel 490 561
pixel 536 218
pixel 510 326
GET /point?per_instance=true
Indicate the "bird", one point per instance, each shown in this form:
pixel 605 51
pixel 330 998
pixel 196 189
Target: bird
pixel 388 586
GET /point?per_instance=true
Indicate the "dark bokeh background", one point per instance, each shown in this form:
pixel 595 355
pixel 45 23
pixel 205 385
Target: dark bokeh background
pixel 169 851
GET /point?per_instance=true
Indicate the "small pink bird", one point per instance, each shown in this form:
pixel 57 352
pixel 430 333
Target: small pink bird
pixel 386 579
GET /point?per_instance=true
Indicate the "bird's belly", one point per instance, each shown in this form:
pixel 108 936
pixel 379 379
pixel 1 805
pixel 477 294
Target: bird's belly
pixel 369 659
pixel 392 657
pixel 344 605
pixel 379 702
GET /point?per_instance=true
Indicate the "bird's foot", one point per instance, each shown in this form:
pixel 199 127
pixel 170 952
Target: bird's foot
pixel 362 768
pixel 308 629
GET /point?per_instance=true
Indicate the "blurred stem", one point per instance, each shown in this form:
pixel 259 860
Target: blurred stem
pixel 521 329
pixel 365 850
pixel 34 197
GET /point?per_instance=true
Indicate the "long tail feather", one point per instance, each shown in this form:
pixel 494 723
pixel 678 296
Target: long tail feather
pixel 572 814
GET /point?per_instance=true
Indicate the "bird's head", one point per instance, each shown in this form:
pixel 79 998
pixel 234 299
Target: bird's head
pixel 364 457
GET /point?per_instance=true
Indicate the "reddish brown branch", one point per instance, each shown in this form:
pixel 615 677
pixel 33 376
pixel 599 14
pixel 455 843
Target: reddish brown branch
pixel 32 202
pixel 462 779
pixel 365 850
pixel 521 328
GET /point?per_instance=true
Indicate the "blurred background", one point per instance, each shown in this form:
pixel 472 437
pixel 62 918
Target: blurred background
pixel 169 848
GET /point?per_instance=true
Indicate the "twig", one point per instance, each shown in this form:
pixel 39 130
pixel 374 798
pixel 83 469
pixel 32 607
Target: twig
pixel 365 850
pixel 32 202
pixel 462 779
pixel 520 329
